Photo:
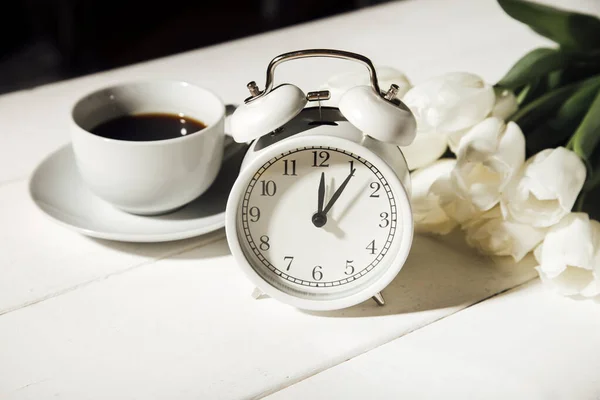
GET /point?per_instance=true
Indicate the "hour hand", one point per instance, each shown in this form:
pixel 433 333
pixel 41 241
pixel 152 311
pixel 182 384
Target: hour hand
pixel 319 219
pixel 321 193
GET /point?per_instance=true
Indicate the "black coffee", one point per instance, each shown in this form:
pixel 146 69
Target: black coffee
pixel 148 127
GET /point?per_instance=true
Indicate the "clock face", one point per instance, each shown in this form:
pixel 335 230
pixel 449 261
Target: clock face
pixel 318 221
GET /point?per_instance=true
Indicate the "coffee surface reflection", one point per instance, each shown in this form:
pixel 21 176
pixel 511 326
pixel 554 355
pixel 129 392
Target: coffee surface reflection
pixel 148 127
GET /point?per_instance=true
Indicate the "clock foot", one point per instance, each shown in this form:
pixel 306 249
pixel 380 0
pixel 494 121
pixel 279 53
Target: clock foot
pixel 379 299
pixel 258 294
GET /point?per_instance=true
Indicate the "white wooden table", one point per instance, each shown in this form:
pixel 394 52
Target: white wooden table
pixel 89 319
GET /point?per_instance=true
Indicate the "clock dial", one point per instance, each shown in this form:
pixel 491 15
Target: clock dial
pixel 318 219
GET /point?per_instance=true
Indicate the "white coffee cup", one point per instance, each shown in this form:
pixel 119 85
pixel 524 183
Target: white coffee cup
pixel 149 177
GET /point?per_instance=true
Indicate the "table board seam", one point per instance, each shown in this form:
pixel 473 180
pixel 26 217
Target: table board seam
pixel 11 181
pixel 365 351
pixel 152 261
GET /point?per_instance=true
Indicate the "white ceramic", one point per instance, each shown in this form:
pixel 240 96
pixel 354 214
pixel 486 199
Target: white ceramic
pixel 274 240
pixel 149 177
pixel 57 188
pixel 263 115
pixel 377 117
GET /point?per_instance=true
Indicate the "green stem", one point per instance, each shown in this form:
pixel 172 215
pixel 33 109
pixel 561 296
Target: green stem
pixel 592 182
pixel 554 97
pixel 555 127
pixel 586 137
pixel 580 201
pixel 570 144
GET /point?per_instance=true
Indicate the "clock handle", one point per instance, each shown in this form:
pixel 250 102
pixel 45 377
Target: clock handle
pixel 256 93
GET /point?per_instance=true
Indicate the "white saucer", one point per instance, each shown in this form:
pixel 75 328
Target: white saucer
pixel 58 190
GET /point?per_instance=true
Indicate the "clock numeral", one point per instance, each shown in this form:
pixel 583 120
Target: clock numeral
pixel 264 243
pixel 352 170
pixel 385 220
pixel 254 214
pixel 375 186
pixel 269 188
pixel 290 259
pixel 287 164
pixel 316 273
pixel 349 267
pixel 320 159
pixel 372 247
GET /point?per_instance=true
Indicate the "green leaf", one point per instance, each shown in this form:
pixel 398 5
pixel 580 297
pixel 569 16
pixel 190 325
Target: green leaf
pixel 544 107
pixel 524 93
pixel 534 65
pixel 580 203
pixel 592 180
pixel 555 130
pixel 530 116
pixel 578 71
pixel 569 29
pixel 589 202
pixel 535 89
pixel 587 135
pixel 555 79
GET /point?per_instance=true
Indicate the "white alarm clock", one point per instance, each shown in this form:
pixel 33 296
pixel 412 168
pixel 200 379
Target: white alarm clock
pixel 319 216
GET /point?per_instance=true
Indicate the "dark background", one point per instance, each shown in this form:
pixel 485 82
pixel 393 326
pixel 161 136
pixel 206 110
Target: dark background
pixel 47 40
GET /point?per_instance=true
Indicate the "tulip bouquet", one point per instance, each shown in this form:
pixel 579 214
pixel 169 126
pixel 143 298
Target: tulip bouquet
pixel 522 153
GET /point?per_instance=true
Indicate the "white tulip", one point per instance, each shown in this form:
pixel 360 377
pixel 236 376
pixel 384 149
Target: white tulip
pixel 450 102
pixel 545 189
pixel 569 256
pixel 425 149
pixel 386 76
pixel 455 204
pixel 489 156
pixel 505 104
pixel 427 213
pixel 491 234
pixel 454 139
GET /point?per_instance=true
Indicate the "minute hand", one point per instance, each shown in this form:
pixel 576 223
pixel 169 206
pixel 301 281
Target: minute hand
pixel 337 193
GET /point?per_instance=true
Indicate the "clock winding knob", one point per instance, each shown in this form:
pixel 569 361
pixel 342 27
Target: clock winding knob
pixel 253 88
pixel 392 92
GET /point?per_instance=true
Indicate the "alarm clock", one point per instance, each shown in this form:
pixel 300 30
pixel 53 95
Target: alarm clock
pixel 319 216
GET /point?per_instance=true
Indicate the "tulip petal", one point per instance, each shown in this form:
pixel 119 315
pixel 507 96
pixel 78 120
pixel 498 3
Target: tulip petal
pixel 506 103
pixel 545 189
pixel 569 256
pixel 454 139
pixel 570 242
pixel 592 289
pixel 428 215
pixel 572 281
pixel 456 206
pixel 492 235
pixel 425 149
pixel 450 102
pixel 490 154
